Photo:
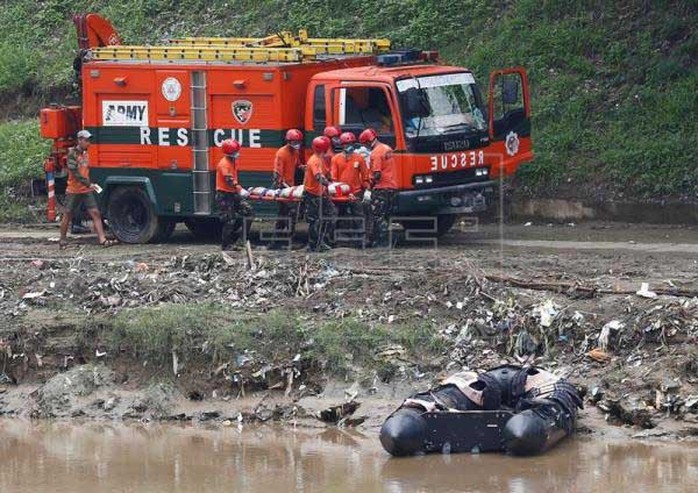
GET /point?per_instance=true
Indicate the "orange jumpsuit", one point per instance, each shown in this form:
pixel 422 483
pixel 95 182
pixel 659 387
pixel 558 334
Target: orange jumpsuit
pixel 352 170
pixel 286 162
pixel 227 169
pixel 383 194
pixel 382 161
pixel 316 166
pixel 235 212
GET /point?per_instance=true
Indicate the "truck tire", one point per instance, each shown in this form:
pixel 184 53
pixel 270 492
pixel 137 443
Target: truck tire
pixel 208 228
pixel 132 216
pixel 165 229
pixel 444 223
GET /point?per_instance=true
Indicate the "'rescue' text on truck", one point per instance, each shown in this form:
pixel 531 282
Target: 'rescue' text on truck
pixel 158 115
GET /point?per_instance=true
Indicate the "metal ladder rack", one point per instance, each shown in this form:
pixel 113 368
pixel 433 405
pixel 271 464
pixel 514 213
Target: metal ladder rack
pixel 277 48
pixel 221 53
pixel 201 175
pixel 285 39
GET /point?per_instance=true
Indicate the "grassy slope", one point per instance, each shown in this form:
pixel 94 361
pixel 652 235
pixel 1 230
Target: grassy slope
pixel 614 83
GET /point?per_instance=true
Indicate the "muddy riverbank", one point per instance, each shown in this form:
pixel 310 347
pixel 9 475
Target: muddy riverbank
pixel 180 332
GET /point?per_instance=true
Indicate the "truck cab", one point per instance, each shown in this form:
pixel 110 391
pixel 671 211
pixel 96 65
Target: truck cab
pixel 450 143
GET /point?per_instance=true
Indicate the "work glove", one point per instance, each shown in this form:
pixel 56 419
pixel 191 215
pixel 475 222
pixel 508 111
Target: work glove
pixel 367 197
pixel 244 193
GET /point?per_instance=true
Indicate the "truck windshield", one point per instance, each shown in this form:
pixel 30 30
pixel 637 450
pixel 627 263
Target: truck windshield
pixel 441 105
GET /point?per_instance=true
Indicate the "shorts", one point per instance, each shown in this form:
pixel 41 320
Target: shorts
pixel 73 201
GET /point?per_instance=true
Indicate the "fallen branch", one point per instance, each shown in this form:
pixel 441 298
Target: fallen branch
pixel 573 287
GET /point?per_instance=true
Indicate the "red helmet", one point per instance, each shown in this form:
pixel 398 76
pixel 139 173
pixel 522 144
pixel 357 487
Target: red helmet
pixel 368 136
pixel 321 144
pixel 347 138
pixel 294 134
pixel 332 131
pixel 230 146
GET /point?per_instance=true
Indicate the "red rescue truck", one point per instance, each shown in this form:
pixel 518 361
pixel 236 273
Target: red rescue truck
pixel 158 115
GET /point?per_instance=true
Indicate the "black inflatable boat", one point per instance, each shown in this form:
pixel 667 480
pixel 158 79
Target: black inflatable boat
pixel 520 410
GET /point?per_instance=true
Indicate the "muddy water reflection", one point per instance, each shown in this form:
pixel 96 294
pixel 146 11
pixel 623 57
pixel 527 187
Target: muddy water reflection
pixel 60 457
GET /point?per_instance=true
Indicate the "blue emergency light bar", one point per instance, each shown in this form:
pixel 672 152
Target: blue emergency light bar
pixel 399 57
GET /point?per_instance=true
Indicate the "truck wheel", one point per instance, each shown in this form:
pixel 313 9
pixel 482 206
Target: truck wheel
pixel 208 228
pixel 132 216
pixel 444 223
pixel 165 229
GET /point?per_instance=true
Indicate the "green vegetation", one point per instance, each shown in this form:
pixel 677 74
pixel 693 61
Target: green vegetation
pixel 21 158
pixel 219 333
pixel 613 82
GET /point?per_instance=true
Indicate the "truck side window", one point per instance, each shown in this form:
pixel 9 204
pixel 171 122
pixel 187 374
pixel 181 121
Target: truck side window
pixel 509 109
pixel 366 107
pixel 319 106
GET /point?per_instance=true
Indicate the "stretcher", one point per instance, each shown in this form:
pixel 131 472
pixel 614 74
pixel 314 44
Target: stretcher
pixel 338 193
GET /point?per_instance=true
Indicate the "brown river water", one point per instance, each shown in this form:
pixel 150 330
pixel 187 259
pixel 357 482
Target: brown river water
pixel 69 457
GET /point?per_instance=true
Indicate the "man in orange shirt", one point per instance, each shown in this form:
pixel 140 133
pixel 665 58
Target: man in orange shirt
pixel 235 211
pixel 350 167
pixel 320 210
pixel 384 185
pixel 81 191
pixel 286 163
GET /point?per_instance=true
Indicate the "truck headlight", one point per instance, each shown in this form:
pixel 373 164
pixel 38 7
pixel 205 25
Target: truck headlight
pixel 419 180
pixel 428 179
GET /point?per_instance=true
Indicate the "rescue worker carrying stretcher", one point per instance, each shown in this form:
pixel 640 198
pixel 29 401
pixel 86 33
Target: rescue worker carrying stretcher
pixel 235 212
pixel 383 184
pixel 320 211
pixel 286 163
pixel 333 133
pixel 350 167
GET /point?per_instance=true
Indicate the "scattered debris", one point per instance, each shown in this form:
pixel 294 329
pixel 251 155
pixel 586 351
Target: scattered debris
pixel 599 355
pixel 645 292
pixel 607 331
pixel 336 413
pixel 33 295
pixel 545 313
pixel 628 410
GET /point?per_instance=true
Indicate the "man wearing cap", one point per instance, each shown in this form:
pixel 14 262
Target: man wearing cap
pixel 81 191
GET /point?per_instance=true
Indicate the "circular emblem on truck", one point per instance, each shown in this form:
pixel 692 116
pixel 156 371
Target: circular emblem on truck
pixel 171 89
pixel 512 143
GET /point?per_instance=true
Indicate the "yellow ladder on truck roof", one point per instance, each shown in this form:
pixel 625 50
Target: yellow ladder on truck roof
pixel 203 53
pixel 280 47
pixel 285 39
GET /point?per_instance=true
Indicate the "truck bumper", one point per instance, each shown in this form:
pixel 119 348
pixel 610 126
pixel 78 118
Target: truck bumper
pixel 455 199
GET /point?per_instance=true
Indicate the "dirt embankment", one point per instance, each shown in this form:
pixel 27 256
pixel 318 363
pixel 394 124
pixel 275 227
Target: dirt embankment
pixel 182 332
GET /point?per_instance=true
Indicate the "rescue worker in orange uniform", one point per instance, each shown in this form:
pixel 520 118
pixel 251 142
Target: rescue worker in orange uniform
pixel 81 191
pixel 332 132
pixel 286 164
pixel 350 167
pixel 235 211
pixel 320 210
pixel 383 185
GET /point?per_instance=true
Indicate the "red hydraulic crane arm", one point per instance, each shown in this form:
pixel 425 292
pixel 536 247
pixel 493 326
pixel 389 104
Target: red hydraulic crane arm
pixel 95 31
